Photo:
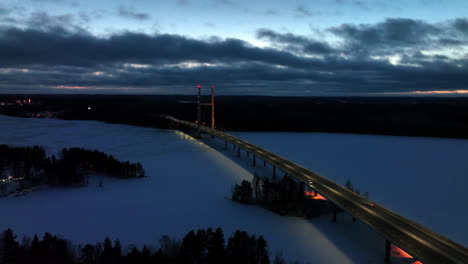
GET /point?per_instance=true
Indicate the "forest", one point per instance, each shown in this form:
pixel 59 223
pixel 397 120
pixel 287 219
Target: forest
pixel 204 246
pixel 403 116
pixel 284 196
pixel 31 166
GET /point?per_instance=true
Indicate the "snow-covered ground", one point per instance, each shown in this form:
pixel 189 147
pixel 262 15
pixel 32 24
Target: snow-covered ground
pixel 186 189
pixel 424 179
pixel 189 182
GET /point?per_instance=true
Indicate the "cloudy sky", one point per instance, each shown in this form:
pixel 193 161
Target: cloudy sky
pixel 274 47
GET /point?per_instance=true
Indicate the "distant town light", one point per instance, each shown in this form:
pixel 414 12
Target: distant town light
pixel 89 107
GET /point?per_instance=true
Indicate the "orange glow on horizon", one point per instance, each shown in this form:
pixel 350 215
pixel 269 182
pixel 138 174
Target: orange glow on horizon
pixel 310 195
pixel 441 92
pixel 71 87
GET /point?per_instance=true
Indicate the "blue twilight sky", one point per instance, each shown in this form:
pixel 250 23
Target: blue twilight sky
pixel 276 47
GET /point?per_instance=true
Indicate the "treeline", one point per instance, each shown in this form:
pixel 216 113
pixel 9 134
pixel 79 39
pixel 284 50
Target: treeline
pixel 23 161
pixel 405 116
pixel 284 196
pixel 351 187
pixel 201 247
pixel 32 165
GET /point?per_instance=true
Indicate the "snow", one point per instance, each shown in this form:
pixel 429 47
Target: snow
pixel 187 188
pixel 189 184
pixel 423 179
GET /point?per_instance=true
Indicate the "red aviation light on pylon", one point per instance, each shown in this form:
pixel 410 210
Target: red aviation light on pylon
pixel 198 86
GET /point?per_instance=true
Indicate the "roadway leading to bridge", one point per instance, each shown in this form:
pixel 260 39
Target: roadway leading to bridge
pixel 422 243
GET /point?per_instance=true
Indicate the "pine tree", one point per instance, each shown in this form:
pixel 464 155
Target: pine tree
pixel 216 252
pixel 106 256
pixel 262 251
pixel 145 255
pixel 257 187
pixel 245 192
pixel 11 250
pixel 35 252
pixel 87 254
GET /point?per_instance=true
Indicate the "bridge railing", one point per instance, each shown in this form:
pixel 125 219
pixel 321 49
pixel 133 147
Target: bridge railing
pixel 422 243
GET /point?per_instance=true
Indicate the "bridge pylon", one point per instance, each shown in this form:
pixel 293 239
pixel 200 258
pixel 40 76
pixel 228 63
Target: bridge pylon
pixel 199 109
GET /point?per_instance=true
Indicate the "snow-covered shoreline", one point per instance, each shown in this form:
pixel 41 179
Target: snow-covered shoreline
pixel 185 189
pixel 423 179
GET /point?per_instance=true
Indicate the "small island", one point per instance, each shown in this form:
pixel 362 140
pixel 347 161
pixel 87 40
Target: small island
pixel 24 168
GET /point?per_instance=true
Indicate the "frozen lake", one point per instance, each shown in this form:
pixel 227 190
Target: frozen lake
pixel 189 182
pixel 424 179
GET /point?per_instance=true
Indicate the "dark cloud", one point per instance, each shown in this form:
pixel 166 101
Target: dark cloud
pixel 54 56
pixel 131 13
pixel 45 22
pixel 295 42
pixel 461 24
pixel 391 33
pixel 66 48
pixel 398 35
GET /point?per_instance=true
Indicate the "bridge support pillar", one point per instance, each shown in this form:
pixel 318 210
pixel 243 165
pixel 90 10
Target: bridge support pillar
pixel 225 145
pixel 238 152
pixel 387 252
pixel 274 172
pixel 254 160
pixel 248 154
pixel 315 192
pixel 264 163
pixel 334 215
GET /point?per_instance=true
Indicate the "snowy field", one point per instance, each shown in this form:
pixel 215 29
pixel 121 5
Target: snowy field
pixel 423 179
pixel 186 189
pixel 189 183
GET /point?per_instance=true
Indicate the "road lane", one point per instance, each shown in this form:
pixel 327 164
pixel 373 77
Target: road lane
pixel 422 243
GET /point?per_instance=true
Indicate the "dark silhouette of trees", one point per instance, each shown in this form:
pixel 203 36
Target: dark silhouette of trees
pixel 88 255
pixel 50 250
pixel 243 248
pixel 351 187
pixel 284 196
pixel 243 193
pixel 203 246
pixel 215 248
pixel 30 165
pixel 10 248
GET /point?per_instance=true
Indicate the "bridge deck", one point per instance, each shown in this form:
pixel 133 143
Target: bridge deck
pixel 422 243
